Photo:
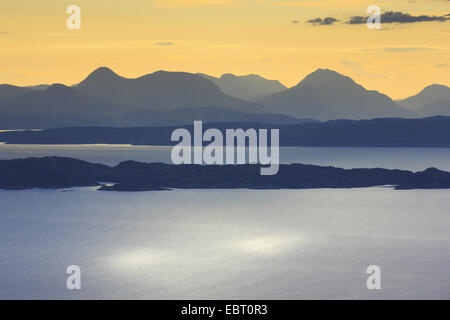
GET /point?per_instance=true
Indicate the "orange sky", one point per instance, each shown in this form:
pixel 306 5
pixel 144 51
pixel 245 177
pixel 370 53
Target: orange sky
pixel 135 37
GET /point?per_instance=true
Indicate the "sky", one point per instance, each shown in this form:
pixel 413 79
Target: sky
pixel 272 38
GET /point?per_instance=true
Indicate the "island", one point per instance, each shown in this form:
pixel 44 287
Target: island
pixel 61 172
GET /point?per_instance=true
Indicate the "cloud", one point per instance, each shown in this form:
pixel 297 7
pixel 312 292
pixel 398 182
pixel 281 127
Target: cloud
pixel 295 21
pixel 400 49
pixel 405 49
pixel 164 43
pixel 5 32
pixel 348 63
pixel 398 17
pixel 325 21
pixel 440 65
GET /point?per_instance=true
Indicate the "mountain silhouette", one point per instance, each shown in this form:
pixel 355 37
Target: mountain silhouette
pixel 57 99
pixel 107 99
pixel 326 94
pixel 432 100
pixel 247 87
pixel 160 91
pixel 8 91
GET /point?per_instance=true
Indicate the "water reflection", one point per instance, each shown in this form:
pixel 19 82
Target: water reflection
pixel 138 258
pixel 268 245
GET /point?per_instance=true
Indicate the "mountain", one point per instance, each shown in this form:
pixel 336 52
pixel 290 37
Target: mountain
pixel 38 87
pixel 161 91
pixel 385 132
pixel 107 99
pixel 432 100
pixel 430 94
pixel 56 106
pixel 245 87
pixel 206 114
pixel 326 94
pixel 57 99
pixel 8 91
pixel 437 108
pixel 59 172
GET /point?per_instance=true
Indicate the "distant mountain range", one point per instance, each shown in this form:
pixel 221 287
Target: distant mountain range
pixel 58 172
pixel 248 87
pixel 433 100
pixel 385 132
pixel 172 98
pixel 106 99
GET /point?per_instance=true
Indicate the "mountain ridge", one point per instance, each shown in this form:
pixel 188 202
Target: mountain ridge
pixel 325 94
pixel 247 87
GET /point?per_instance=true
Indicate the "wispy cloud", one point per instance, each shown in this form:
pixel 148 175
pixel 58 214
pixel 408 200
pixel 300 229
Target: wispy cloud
pixel 348 63
pixel 164 43
pixel 400 49
pixel 406 49
pixel 398 17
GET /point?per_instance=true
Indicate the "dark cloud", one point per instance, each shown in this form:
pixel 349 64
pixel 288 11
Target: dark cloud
pixel 166 43
pixel 441 65
pixel 398 17
pixel 325 21
pixel 5 32
pixel 295 21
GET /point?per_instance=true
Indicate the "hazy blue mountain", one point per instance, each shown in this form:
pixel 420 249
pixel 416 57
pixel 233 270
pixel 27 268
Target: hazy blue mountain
pixel 206 114
pixel 326 94
pixel 61 106
pixel 57 99
pixel 433 94
pixel 38 87
pixel 161 91
pixel 8 91
pixel 107 99
pixel 245 87
pixel 437 108
pixel 432 100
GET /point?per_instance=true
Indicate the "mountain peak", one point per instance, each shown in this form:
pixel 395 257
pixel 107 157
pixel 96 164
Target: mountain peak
pixel 57 87
pixel 435 87
pixel 433 99
pixel 103 71
pixel 326 74
pixel 102 74
pixel 228 76
pixel 325 77
pixel 326 94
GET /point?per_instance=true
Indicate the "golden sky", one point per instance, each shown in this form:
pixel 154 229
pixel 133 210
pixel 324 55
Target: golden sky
pixel 136 37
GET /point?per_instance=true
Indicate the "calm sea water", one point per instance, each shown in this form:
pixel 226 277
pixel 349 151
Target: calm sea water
pixel 393 158
pixel 221 244
pixel 228 244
